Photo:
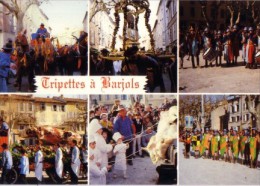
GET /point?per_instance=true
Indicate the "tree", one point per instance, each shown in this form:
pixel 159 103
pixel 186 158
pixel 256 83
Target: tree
pixel 253 105
pixel 18 8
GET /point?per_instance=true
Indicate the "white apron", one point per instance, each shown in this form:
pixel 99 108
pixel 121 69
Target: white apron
pixel 38 165
pixel 75 165
pixel 58 162
pixel 120 163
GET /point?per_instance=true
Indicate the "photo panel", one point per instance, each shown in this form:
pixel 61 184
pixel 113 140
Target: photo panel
pixel 219 138
pixel 42 38
pixel 132 139
pixel 219 46
pixel 135 38
pixel 43 139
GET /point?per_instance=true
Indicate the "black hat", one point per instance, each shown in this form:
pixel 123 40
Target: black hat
pixel 8 47
pixel 4 145
pixel 104 51
pixel 131 51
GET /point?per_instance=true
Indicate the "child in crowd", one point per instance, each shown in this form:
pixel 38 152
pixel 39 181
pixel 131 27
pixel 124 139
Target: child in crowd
pixel 120 152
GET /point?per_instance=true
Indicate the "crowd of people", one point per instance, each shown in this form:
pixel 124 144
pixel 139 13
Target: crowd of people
pixel 56 165
pixel 227 145
pixel 118 135
pixel 218 43
pixel 136 61
pixel 20 58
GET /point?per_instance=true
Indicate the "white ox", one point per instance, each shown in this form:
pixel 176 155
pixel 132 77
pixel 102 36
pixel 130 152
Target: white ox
pixel 166 133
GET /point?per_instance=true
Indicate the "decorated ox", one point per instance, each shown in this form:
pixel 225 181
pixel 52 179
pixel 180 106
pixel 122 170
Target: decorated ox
pixel 166 133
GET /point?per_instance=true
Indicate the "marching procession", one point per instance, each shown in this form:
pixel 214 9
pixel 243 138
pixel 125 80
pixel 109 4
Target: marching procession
pixel 218 43
pixel 57 161
pixel 40 57
pixel 227 145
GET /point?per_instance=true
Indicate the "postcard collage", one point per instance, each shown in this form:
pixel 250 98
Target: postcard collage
pixel 130 92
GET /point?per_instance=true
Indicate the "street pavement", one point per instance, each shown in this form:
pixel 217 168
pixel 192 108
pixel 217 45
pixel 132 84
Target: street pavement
pixel 234 79
pixel 208 172
pixel 142 172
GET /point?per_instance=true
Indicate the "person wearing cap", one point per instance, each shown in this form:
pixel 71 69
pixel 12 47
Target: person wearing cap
pixel 105 67
pixel 102 147
pixel 215 145
pixel 235 145
pixel 193 41
pixel 7 162
pixel 38 159
pixel 5 65
pixel 253 148
pixel 205 142
pixel 120 152
pixel 242 143
pixel 250 49
pixel 223 144
pixel 58 163
pixel 123 125
pixel 228 45
pixel 115 107
pixel 244 38
pixel 42 32
pixel 219 48
pixel 97 174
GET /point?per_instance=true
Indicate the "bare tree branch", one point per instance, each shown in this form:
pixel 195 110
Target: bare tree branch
pixel 8 6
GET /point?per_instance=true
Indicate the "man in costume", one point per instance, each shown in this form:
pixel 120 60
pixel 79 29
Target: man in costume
pixel 223 144
pixel 205 143
pixel 193 41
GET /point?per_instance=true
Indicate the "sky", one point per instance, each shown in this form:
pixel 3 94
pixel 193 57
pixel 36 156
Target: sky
pixel 64 14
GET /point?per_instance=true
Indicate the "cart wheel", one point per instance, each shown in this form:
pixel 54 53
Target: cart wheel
pixel 12 176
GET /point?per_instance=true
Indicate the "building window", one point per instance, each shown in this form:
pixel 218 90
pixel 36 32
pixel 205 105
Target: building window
pixel 107 97
pixel 30 107
pixel 123 97
pixel 62 108
pixel 21 127
pixel 238 118
pixel 233 119
pixel 21 107
pixel 54 107
pixel 42 106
